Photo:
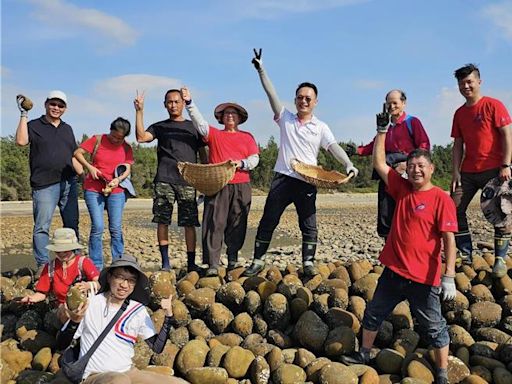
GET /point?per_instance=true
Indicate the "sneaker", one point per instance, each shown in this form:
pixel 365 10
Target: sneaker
pixel 255 268
pixel 500 268
pixel 355 358
pixel 194 268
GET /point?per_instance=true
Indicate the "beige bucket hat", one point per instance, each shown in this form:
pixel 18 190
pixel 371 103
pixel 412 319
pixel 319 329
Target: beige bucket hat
pixel 64 239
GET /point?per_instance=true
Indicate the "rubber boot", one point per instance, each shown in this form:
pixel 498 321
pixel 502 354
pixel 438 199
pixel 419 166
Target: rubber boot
pixel 260 248
pixel 308 256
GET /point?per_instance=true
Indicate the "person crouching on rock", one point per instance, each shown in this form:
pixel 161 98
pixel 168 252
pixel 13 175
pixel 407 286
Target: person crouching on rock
pixel 68 268
pixel 424 218
pixel 122 283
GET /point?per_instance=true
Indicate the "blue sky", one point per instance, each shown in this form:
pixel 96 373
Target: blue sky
pixel 99 52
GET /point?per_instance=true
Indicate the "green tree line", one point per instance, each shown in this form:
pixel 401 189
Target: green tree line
pixel 15 184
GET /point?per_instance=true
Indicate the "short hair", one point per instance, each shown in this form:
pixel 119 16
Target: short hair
pixel 172 91
pixel 465 71
pixel 420 152
pixel 121 125
pixel 403 96
pixel 308 85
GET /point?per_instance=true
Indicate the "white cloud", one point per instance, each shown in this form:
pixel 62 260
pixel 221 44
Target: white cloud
pixel 70 19
pixel 142 82
pixel 5 72
pixel 501 16
pixel 271 8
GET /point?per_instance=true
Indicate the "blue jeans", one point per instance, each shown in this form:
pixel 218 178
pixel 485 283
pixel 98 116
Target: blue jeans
pixel 114 204
pixel 424 301
pixel 44 201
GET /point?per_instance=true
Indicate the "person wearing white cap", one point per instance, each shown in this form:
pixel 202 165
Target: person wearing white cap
pixel 52 169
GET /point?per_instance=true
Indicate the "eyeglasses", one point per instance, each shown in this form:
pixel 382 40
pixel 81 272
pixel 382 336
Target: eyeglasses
pixel 307 98
pixel 55 104
pixel 121 279
pixel 230 113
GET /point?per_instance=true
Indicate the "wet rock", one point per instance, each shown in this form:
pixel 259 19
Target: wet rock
pixel 327 286
pixel 265 289
pixel 237 362
pixel 142 354
pixel 310 331
pixel 357 306
pixel 34 377
pixel 384 335
pixel 231 295
pixel 242 324
pixel 279 338
pixel 200 299
pixel 492 334
pixel 75 297
pixel 340 341
pixel 192 355
pixel 389 361
pixel 260 325
pixel 457 370
pixel 485 314
pixel 479 293
pixel 276 311
pixel 359 269
pixel 314 368
pixel 214 282
pixel 502 376
pixel 216 354
pixel 198 328
pixel 42 359
pixel 406 341
pixel 337 316
pixel 320 304
pixel 462 282
pixel 259 371
pixel 181 315
pixel 459 337
pixel 297 308
pixel 179 336
pixel 219 317
pixel 288 374
pixel 252 302
pixel 401 316
pixel 417 368
pixel 210 375
pixel 305 294
pixel 162 285
pixel 167 356
pixel 231 339
pixel 184 287
pixel 486 362
pixel 34 340
pixel 338 298
pixel 29 320
pixel 337 373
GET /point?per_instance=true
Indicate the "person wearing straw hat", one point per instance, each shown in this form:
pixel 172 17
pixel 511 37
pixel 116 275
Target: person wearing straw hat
pixel 103 186
pixel 178 141
pixel 225 213
pixel 123 281
pixel 52 169
pixel 301 137
pixel 65 270
pixel 405 134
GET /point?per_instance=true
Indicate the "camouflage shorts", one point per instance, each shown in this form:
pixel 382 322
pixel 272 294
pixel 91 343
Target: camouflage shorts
pixel 163 200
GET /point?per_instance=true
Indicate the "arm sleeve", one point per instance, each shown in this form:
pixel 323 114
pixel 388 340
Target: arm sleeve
pixel 447 214
pixel 340 154
pixel 250 162
pixel 129 154
pixel 397 185
pixel 157 342
pixel 501 115
pixel 455 127
pixel 419 135
pixel 90 269
pixel 275 103
pixel 197 119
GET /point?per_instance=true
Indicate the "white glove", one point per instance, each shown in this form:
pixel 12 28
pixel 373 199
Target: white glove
pixel 448 287
pixel 354 170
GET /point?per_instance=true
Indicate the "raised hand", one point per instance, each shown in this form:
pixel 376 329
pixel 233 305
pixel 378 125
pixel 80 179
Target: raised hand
pixel 257 61
pixel 185 94
pixel 20 99
pixel 78 314
pixel 383 119
pixel 138 102
pixel 166 305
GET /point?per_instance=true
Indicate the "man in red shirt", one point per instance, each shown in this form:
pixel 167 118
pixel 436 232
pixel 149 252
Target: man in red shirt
pixel 481 131
pixel 405 134
pixel 424 217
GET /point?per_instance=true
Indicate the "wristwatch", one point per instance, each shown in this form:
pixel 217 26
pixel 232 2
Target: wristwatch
pixel 505 165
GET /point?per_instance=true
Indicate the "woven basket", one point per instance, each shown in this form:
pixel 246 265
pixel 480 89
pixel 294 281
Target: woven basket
pixel 207 178
pixel 318 176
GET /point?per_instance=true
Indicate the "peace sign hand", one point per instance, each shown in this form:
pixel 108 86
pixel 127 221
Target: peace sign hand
pixel 257 61
pixel 138 103
pixel 383 120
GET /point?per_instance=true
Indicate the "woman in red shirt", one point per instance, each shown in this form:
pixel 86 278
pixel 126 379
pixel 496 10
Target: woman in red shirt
pixel 104 187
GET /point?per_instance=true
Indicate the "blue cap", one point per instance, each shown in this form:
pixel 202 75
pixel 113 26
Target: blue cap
pixel 126 183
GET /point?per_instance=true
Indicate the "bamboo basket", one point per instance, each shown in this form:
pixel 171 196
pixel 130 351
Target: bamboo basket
pixel 318 176
pixel 207 178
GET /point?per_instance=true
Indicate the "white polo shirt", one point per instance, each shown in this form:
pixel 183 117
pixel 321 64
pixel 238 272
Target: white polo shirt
pixel 115 352
pixel 300 141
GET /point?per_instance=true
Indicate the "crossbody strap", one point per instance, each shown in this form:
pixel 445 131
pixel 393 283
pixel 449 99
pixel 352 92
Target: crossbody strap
pixel 106 330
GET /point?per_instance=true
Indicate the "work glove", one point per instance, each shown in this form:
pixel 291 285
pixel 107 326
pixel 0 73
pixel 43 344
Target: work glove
pixel 352 169
pixel 24 104
pixel 448 287
pixel 351 149
pixel 257 60
pixel 383 120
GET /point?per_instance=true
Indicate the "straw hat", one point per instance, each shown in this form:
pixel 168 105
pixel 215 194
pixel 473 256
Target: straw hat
pixel 64 239
pixel 141 292
pixel 219 111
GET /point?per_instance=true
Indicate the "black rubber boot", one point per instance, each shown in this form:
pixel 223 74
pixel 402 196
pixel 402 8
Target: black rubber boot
pixel 256 267
pixel 308 256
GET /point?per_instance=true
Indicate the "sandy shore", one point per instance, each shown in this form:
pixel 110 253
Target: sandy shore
pixel 346 224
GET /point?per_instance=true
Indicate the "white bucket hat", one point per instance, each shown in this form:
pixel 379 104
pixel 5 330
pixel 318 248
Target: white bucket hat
pixel 64 239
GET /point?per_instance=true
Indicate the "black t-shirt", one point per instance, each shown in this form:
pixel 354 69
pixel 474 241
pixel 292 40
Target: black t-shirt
pixel 177 141
pixel 51 151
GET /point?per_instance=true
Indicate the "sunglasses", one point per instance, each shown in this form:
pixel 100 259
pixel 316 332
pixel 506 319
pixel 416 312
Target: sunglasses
pixel 55 104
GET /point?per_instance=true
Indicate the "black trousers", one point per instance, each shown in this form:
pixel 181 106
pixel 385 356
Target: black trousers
pixel 225 219
pixel 284 191
pixel 385 210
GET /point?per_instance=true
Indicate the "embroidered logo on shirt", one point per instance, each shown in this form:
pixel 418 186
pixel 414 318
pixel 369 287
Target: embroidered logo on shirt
pixel 420 207
pixel 478 118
